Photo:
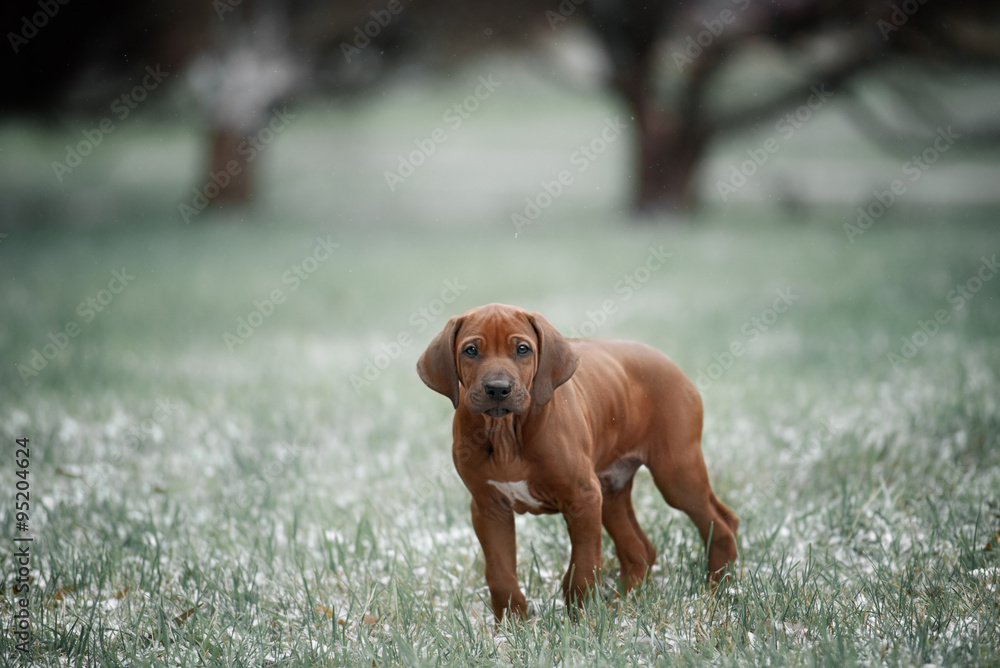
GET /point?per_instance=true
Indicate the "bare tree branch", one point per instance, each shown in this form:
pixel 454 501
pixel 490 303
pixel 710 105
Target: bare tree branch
pixel 883 134
pixel 929 111
pixel 835 80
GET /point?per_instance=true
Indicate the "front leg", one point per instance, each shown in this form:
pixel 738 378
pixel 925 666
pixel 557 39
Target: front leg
pixel 583 518
pixel 494 526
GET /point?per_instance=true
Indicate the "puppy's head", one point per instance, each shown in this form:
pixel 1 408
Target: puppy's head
pixel 504 357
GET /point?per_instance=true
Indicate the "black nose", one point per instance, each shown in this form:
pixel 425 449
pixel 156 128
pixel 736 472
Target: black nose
pixel 497 389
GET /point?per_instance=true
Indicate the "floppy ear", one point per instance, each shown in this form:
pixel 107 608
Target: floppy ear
pixel 556 360
pixel 437 365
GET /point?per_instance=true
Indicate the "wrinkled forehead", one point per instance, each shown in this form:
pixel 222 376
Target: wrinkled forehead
pixel 497 324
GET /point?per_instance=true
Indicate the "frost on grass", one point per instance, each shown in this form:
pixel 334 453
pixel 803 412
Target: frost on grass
pixel 273 514
pixel 348 541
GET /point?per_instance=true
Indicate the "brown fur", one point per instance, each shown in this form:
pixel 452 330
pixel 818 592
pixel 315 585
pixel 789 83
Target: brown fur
pixel 567 425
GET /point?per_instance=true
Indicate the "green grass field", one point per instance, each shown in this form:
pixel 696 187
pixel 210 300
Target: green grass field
pixel 201 497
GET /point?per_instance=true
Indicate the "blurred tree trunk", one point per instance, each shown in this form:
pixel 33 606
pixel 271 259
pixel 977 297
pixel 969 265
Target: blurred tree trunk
pixel 669 147
pixel 668 158
pixel 674 128
pixel 226 158
pixel 669 143
pixel 235 85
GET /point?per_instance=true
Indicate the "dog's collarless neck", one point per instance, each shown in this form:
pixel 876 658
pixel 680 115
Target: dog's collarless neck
pixel 504 438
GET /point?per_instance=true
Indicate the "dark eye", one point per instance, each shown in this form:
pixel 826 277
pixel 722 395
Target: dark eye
pixel 523 349
pixel 471 351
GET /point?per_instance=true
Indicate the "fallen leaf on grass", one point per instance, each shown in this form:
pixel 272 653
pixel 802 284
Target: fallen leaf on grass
pixel 64 592
pixel 183 617
pixel 989 543
pixel 178 621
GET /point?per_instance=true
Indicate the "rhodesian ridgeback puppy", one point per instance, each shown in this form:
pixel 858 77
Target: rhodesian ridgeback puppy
pixel 545 424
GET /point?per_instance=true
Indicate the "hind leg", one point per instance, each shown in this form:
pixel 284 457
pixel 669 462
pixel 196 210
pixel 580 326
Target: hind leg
pixel 682 479
pixel 635 553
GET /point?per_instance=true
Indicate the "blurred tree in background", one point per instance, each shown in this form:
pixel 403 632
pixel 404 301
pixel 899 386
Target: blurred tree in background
pixel 670 62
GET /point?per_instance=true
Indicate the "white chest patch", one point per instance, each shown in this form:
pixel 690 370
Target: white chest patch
pixel 517 491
